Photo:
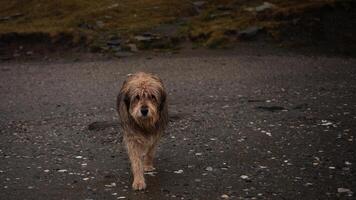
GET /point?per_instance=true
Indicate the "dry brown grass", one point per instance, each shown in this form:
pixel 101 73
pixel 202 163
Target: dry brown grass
pixel 88 17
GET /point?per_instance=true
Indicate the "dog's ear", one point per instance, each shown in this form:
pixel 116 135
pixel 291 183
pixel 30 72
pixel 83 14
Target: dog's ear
pixel 163 100
pixel 123 97
pixel 127 100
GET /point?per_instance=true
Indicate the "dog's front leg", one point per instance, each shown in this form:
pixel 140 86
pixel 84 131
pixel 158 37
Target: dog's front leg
pixel 136 152
pixel 148 158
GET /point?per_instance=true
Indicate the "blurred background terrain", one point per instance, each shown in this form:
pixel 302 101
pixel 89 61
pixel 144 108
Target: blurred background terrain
pixel 124 27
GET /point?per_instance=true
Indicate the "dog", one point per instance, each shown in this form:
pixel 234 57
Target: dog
pixel 143 111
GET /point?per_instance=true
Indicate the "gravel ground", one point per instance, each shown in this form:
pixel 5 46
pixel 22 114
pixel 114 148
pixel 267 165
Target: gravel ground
pixel 242 126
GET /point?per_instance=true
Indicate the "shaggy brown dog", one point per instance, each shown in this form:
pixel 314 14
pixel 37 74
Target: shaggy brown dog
pixel 142 107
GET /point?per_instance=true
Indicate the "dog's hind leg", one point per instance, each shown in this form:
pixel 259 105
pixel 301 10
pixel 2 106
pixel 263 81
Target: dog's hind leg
pixel 136 151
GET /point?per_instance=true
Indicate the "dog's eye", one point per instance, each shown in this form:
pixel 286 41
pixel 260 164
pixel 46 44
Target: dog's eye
pixel 153 97
pixel 137 97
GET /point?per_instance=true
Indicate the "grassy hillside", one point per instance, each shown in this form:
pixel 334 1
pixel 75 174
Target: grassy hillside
pixel 212 23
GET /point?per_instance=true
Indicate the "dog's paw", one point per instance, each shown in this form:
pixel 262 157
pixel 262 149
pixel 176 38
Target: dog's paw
pixel 139 185
pixel 149 168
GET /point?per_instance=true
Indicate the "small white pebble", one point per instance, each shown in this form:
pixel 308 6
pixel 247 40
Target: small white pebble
pixel 224 196
pixel 343 190
pixel 85 179
pixel 348 163
pixel 178 171
pixel 244 177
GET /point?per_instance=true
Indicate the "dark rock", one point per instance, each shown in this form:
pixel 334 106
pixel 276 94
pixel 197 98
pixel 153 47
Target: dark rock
pixel 271 108
pixel 249 32
pixel 114 42
pixel 11 17
pixel 224 7
pixel 222 14
pixel 263 7
pixel 122 54
pixel 199 4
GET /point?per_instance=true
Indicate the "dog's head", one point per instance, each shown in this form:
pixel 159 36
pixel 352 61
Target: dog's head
pixel 144 97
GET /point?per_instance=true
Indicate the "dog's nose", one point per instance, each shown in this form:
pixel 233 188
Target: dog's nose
pixel 144 111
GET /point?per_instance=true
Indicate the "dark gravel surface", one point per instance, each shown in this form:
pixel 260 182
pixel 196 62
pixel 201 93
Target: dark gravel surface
pixel 242 127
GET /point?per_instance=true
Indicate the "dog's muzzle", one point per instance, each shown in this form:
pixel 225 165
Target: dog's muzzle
pixel 144 111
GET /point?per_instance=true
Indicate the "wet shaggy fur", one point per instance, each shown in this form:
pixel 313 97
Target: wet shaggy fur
pixel 142 131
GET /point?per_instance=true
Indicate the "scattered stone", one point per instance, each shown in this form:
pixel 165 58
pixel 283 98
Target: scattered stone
pixel 326 123
pixel 62 170
pixel 222 14
pixel 245 177
pixel 224 196
pixel 265 6
pixel 348 163
pixel 113 6
pixel 114 42
pixel 199 4
pixel 79 157
pixel 178 171
pixel 46 170
pixel 133 47
pixel 260 8
pixel 308 184
pixel 198 154
pixel 209 169
pixel 268 133
pixel 85 179
pixel 100 24
pixel 150 173
pixel 122 197
pixel 11 17
pixel 345 190
pixel 141 38
pixel 111 185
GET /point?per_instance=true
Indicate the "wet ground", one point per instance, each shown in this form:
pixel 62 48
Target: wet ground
pixel 242 126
